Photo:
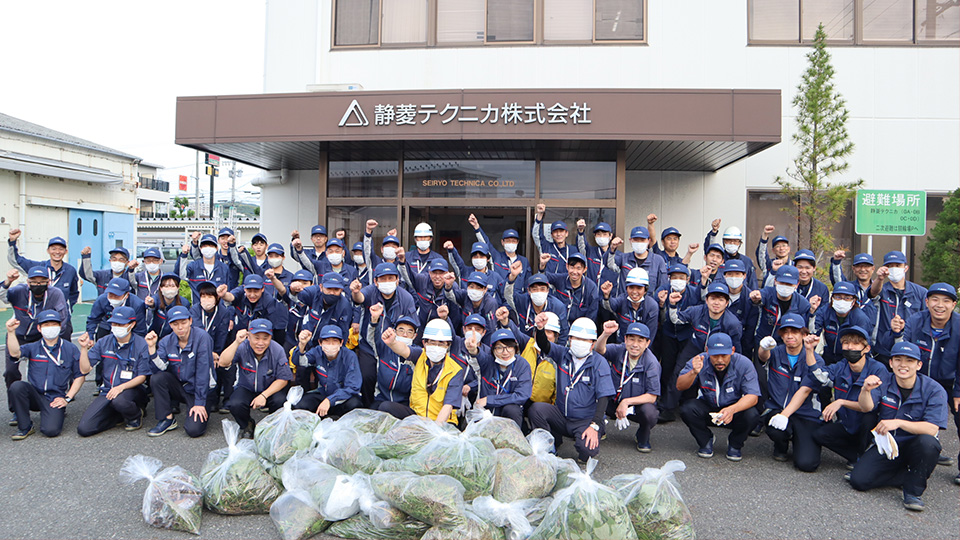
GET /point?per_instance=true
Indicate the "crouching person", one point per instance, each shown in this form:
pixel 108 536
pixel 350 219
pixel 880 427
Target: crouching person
pixel 53 376
pixel 337 370
pixel 262 375
pixel 505 382
pixel 126 365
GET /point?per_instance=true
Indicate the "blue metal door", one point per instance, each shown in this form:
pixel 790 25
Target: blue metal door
pixel 86 229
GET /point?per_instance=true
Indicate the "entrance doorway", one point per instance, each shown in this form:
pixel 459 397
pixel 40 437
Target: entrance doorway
pixel 450 223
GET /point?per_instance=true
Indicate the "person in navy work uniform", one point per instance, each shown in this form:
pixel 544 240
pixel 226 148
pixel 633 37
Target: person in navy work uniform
pixel 862 273
pixel 636 378
pixel 263 373
pixel 206 268
pixel 216 318
pixel 732 240
pixel 896 299
pixel 841 312
pixel 580 295
pixel 251 302
pixel 670 252
pixel 394 374
pixel 728 395
pixel 309 255
pixel 536 300
pixel 502 259
pixel 327 305
pixel 849 436
pixel 584 387
pixel 182 366
pixel 337 370
pixel 770 264
pixel 364 273
pixel 598 269
pixel 53 376
pixel 713 259
pixel 554 245
pixel 913 409
pixel 808 286
pixel 116 294
pixel 126 360
pixel 120 267
pixel 147 281
pixel 419 258
pixel 476 299
pixel 62 275
pixel 505 380
pixel 157 304
pixel 792 406
pixel 640 256
pixel 634 305
pixel 479 263
pixel 430 290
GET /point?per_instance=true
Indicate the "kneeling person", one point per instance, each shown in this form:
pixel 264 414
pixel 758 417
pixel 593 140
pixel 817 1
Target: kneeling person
pixel 337 370
pixel 505 383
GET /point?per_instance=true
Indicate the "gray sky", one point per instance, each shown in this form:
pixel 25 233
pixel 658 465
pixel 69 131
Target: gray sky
pixel 110 70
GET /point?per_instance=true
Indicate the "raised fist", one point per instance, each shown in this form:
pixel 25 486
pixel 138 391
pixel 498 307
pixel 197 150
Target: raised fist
pixel 376 311
pixel 697 363
pixel 14 234
pixel 355 286
pixel 86 251
pixel 149 301
pixel 545 258
pixel 767 229
pixel 662 296
pixel 472 220
pixel 303 338
pixel 606 288
pixel 297 244
pixel 448 245
pixel 839 254
pixel 502 314
pixel 616 243
pixel 777 263
pixel 814 303
pixel 132 265
pixel 12 275
pixel 651 219
pixel 610 327
pixel 540 320
pixel 897 323
pixel 692 248
pixel 268 273
pixel 872 382
pixel 85 341
pixel 541 208
pixel 371 225
pixel 389 336
pixel 675 297
pixel 392 232
pixel 221 290
pixel 516 268
pixel 294 234
pixel 755 296
pixel 150 338
pixel 340 235
pixel 449 279
pixel 715 225
pixel 12 324
pixel 883 272
pixel 443 312
pixel 241 336
pixel 811 341
pixel 581 224
pixel 185 249
pixel 401 255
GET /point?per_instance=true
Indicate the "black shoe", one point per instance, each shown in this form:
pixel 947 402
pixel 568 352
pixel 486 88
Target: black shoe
pixel 22 434
pixel 757 430
pixel 223 409
pixel 248 431
pixel 12 421
pixel 912 502
pixel 706 451
pixel 847 475
pixel 850 465
pixel 666 416
pixel 163 426
pixel 944 460
pixel 780 456
pixel 956 480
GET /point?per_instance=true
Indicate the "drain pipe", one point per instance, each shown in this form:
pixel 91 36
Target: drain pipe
pixel 23 199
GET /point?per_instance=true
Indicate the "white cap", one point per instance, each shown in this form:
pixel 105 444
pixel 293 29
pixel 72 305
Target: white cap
pixel 423 229
pixel 638 276
pixel 584 328
pixel 553 322
pixel 732 233
pixel 438 330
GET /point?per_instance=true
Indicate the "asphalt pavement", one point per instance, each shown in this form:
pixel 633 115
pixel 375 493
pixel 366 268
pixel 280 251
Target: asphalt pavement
pixel 68 487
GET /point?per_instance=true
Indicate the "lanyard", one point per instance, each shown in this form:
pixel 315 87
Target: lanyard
pixel 623 372
pixel 207 323
pixel 54 359
pixel 56 276
pixel 583 369
pixel 32 306
pixel 501 381
pixel 572 292
pixel 435 381
pixel 565 255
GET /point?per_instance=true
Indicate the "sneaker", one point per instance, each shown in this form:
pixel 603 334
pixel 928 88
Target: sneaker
pixel 944 460
pixel 734 454
pixel 644 447
pixel 22 434
pixel 134 425
pixel 223 409
pixel 956 480
pixel 583 461
pixel 12 421
pixel 912 502
pixel 706 451
pixel 248 431
pixel 850 465
pixel 846 476
pixel 163 426
pixel 780 456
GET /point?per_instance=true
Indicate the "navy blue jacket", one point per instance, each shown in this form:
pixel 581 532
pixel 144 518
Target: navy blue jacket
pixel 193 365
pixel 927 403
pixel 338 314
pixel 770 316
pixel 847 385
pixel 654 265
pixel 338 380
pixel 102 311
pixel 940 355
pixel 644 378
pixel 51 370
pixel 583 301
pixel 690 297
pixel 402 304
pixel 912 300
pixel 256 375
pixel 394 374
pixel 101 278
pixel 217 324
pixel 501 261
pixel 429 298
pixel 501 386
pixel 267 307
pixel 419 262
pixel 784 381
pixel 132 358
pixel 545 244
pixel 526 314
pixel 741 380
pixel 146 284
pixel 487 309
pixel 26 310
pixel 698 318
pixel 828 324
pixel 196 273
pixel 157 315
pixel 578 393
pixel 625 313
pixel 64 279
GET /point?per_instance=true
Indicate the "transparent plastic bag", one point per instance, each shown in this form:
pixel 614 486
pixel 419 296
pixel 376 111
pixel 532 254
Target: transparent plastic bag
pixel 567 470
pixel 368 421
pixel 435 499
pixel 296 516
pixel 408 436
pixel 361 527
pixel 173 499
pixel 350 452
pixel 655 504
pixel 512 516
pixel 470 460
pixel 234 481
pixel 472 528
pixel 502 432
pixel 586 510
pixel 303 471
pixel 281 433
pixel 526 477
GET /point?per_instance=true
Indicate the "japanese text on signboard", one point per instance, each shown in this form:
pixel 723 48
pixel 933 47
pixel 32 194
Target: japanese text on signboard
pixel 409 114
pixel 889 212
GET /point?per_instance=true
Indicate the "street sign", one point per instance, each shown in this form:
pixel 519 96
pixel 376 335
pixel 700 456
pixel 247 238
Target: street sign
pixel 212 159
pixel 212 171
pixel 183 182
pixel 891 212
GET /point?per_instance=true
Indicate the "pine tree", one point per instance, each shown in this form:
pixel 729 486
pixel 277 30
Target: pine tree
pixel 942 252
pixel 823 145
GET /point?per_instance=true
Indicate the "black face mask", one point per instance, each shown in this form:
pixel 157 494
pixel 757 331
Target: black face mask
pixel 38 290
pixel 330 299
pixel 852 356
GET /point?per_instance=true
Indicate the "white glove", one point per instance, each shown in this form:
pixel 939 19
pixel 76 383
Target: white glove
pixel 883 444
pixel 779 421
pixel 715 417
pixel 894 447
pixel 623 423
pixel 768 343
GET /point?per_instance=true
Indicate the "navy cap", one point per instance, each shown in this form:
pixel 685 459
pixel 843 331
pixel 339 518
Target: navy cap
pixel 734 265
pixel 358 246
pixel 538 279
pixel 276 249
pixel 668 231
pixel 303 275
pixel 335 242
pixel 170 276
pixel 436 265
pixel 558 226
pixel 639 232
pixel 777 239
pixel 678 269
pixel 894 257
pixel 253 281
pixel 226 231
pixel 863 258
pixel 407 319
pixel 259 237
pixel 805 255
pixel 503 334
pixel 204 285
pixel 603 227
pixel 479 247
pixel 391 239
pixel 478 278
pixel 318 229
pixel 208 239
pixel 943 288
pixel 576 256
pixel 152 252
pixel 38 271
pixel 331 331
pixel 855 330
pixel 56 240
pixel 48 315
pixel 792 320
pixel 331 280
pixel 510 233
pixel 121 250
pixel 123 315
pixel 905 348
pixel 260 326
pixel 385 269
pixel 177 313
pixel 845 287
pixel 714 247
pixel 788 274
pixel 719 343
pixel 475 318
pixel 638 329
pixel 118 286
pixel 718 287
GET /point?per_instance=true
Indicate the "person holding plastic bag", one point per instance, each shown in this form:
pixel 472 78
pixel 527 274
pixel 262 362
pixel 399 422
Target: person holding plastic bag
pixel 636 376
pixel 263 374
pixel 584 387
pixel 505 381
pixel 437 386
pixel 337 370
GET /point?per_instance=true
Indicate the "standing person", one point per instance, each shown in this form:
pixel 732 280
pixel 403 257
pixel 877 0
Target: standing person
pixel 842 311
pixel 206 268
pixel 673 337
pixel 183 366
pixel 216 318
pixel 432 290
pixel 584 387
pixel 670 237
pixel 120 267
pixel 639 257
pixel 123 394
pixel 862 273
pixel 597 257
pixel 364 271
pixel 227 252
pixel 394 374
pixel 116 294
pixel 53 377
pixel 732 242
pixel 809 286
pixel 502 259
pixel 263 373
pixel 713 260
pixel 728 396
pixel 636 378
pixel 251 303
pixel 896 299
pixel 555 245
pixel 505 382
pixel 309 257
pixel 157 305
pixel 769 264
pixel 326 305
pixel 336 261
pixel 581 296
pixel 480 263
pixel 775 302
pixel 734 275
pixel 536 300
pixel 148 280
pixel 912 409
pixel 419 259
pixel 634 305
pixel 62 275
pixel 389 247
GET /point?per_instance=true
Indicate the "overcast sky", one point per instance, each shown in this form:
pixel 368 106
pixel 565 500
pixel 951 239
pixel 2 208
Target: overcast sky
pixel 110 70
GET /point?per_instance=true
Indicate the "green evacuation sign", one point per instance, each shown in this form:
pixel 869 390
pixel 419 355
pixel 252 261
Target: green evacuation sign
pixel 891 212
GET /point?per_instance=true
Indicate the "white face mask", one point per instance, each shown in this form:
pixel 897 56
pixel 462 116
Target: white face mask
pixel 510 247
pixel 678 285
pixel 784 291
pixel 335 258
pixel 435 353
pixel 387 287
pixel 116 302
pixel 169 292
pixel 602 241
pixel 152 267
pixel 119 332
pixel 117 266
pixel 208 303
pixel 842 307
pixel 330 350
pixel 358 259
pixel 475 295
pixel 579 348
pixel 639 247
pixel 389 252
pixel 734 282
pixel 731 248
pixel 538 298
pixel 897 274
pixel 275 262
pixel 472 333
pixel 50 332
pixel 408 341
pixel 505 361
pixel 208 252
pixel 423 245
pixel 480 263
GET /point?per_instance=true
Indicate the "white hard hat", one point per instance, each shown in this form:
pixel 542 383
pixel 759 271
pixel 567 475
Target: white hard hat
pixel 584 328
pixel 423 229
pixel 553 322
pixel 732 233
pixel 438 330
pixel 638 276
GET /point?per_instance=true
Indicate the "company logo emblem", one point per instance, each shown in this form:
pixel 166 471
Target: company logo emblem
pixel 354 116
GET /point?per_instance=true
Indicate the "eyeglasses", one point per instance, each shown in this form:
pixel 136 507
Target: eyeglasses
pixel 502 348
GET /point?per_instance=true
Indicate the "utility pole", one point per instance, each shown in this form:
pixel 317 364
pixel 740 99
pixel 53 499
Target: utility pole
pixel 196 178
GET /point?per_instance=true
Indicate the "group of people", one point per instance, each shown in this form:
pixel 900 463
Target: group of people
pixel 581 335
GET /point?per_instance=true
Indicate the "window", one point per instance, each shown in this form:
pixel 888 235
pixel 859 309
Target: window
pixel 567 20
pixel 937 21
pixel 589 180
pixel 460 21
pixel 619 20
pixel 362 179
pixel 509 20
pixel 888 20
pixel 95 224
pixel 357 22
pixel 79 226
pixel 404 22
pixel 835 15
pixel 480 179
pixel 775 21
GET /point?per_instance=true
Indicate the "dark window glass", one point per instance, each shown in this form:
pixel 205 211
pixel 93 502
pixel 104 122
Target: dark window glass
pixel 354 219
pixel 357 22
pixel 362 179
pixel 619 20
pixel 482 179
pixel 509 20
pixel 578 180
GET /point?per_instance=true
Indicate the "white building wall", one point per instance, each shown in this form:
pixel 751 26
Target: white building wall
pixel 290 206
